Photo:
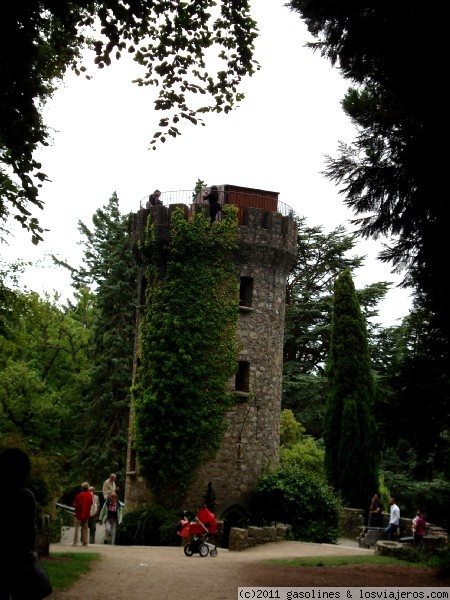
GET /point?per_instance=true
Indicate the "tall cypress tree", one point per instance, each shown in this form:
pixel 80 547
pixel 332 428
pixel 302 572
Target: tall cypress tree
pixel 351 452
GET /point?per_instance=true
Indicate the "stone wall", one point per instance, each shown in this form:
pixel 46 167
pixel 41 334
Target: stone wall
pixel 266 250
pixel 240 539
pixel 251 443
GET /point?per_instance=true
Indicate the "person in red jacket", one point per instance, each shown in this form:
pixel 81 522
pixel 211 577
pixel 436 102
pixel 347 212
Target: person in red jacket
pixel 82 503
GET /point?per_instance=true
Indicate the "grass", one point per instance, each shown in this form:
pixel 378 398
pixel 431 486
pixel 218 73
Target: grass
pixel 64 568
pixel 339 561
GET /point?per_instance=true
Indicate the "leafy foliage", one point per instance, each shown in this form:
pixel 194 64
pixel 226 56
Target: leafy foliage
pixel 151 525
pixel 174 42
pixel 290 429
pixel 389 173
pixel 308 503
pixel 199 184
pixel 440 559
pixel 188 350
pixel 306 455
pixel 351 452
pixel 309 300
pixel 43 368
pixel 433 496
pixel 410 372
pixel 297 450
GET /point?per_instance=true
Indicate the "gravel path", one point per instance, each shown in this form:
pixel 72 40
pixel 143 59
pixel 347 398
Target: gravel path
pixel 147 572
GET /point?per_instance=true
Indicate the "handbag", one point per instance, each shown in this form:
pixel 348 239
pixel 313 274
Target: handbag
pixel 33 582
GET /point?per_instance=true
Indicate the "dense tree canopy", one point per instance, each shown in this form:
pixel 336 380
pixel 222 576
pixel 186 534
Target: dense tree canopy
pixel 43 368
pixel 309 299
pixel 109 268
pixel 172 41
pixel 394 174
pixel 413 373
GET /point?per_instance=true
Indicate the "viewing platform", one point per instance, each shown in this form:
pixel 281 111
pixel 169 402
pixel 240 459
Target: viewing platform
pixel 241 197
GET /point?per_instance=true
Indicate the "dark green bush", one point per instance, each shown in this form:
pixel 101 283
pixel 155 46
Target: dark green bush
pixel 302 500
pixel 151 525
pixel 439 558
pixel 433 496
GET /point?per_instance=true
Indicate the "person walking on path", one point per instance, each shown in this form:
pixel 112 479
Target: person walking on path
pixel 82 503
pixel 394 519
pixel 93 517
pixel 111 515
pixel 109 486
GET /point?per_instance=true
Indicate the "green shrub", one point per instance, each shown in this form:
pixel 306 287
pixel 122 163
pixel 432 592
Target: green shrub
pixel 306 456
pixel 151 525
pixel 440 559
pixel 300 499
pixel 433 496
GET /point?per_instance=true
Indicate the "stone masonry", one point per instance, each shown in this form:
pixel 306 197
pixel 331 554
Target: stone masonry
pixel 267 248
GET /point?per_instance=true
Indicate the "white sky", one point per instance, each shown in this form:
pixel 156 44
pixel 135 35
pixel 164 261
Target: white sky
pixel 276 140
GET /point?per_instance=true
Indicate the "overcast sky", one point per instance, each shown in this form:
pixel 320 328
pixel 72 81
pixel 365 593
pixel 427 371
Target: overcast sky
pixel 276 140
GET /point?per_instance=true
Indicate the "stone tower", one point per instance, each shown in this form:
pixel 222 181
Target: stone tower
pixel 267 249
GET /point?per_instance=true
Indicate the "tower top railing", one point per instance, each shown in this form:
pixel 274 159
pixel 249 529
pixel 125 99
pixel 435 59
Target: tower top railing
pixel 241 197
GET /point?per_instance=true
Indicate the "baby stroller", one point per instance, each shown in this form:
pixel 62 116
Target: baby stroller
pixel 200 527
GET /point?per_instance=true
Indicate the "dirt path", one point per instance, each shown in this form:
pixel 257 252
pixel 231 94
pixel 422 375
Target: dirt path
pixel 165 573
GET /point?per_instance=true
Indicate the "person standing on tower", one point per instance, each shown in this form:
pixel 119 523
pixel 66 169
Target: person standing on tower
pixel 213 198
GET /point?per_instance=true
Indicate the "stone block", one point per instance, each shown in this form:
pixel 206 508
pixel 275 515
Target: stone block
pixel 282 531
pixel 238 539
pixel 370 537
pixel 270 534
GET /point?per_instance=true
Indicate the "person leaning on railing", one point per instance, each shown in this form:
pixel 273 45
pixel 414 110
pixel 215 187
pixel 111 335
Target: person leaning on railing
pixel 154 199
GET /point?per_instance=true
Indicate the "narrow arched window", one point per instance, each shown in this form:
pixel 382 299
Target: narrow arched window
pixel 246 291
pixel 243 377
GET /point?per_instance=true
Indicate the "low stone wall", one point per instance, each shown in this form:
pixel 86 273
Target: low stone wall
pixel 353 528
pixel 406 551
pixel 240 539
pixel 353 522
pixel 372 537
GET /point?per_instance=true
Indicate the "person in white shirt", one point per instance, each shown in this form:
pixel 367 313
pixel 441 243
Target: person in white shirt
pixel 394 519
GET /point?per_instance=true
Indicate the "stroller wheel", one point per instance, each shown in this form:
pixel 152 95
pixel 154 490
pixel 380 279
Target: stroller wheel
pixel 188 550
pixel 203 550
pixel 213 552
